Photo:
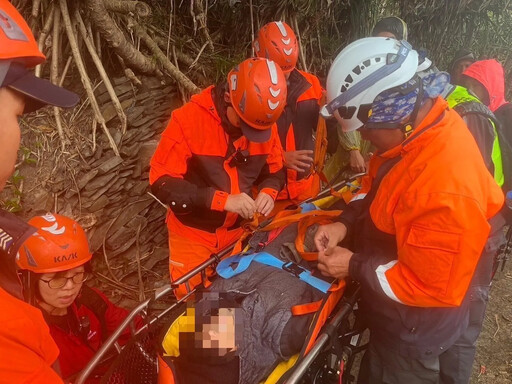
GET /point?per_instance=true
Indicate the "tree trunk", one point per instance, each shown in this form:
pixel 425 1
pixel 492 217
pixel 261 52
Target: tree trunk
pixel 115 38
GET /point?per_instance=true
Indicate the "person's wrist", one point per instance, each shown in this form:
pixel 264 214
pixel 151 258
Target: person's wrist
pixel 270 191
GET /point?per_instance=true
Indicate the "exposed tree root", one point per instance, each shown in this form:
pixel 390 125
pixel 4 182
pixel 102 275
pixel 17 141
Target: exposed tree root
pixel 138 8
pixel 83 73
pixel 116 39
pixel 174 72
pixel 99 66
pixel 54 72
pixel 44 33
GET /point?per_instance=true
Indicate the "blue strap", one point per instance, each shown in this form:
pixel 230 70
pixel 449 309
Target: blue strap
pixel 225 268
pixel 307 207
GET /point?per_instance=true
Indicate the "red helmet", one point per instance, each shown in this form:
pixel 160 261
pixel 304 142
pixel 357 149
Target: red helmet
pixel 257 88
pixel 16 39
pixel 276 41
pixel 59 244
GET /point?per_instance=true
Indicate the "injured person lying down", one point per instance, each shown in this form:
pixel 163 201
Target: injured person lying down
pixel 250 318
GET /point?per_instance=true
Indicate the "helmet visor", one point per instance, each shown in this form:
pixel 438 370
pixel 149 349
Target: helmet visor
pixel 39 92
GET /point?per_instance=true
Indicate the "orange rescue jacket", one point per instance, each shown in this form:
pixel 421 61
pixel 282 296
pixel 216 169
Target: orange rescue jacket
pixel 27 350
pixel 197 165
pixel 436 201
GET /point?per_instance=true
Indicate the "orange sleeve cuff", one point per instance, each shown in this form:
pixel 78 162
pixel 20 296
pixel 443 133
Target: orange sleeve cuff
pixel 270 191
pixel 219 201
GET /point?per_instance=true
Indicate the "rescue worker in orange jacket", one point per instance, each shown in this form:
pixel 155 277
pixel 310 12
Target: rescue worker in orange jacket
pixel 215 150
pixel 27 351
pixel 414 236
pixel 276 41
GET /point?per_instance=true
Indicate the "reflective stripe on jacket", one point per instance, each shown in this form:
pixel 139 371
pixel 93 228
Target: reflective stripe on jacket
pixel 194 169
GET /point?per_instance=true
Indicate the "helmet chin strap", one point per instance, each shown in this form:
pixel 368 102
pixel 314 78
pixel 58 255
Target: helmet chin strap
pixel 408 127
pixel 29 288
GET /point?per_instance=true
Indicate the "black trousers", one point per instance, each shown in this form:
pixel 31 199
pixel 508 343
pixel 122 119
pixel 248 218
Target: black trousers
pixel 380 365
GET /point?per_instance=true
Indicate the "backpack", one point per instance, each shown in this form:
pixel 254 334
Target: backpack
pixel 475 107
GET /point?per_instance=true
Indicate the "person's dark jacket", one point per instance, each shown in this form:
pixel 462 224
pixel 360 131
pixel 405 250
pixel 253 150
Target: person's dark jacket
pixel 13 232
pixel 267 294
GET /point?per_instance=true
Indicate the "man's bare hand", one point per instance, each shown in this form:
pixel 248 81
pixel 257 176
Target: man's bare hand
pixel 329 235
pixel 357 163
pixel 334 262
pixel 264 203
pixel 300 161
pixel 241 204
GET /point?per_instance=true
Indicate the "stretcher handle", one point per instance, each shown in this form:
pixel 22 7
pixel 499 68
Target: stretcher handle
pixel 300 368
pixel 111 341
pixel 327 190
pixel 158 294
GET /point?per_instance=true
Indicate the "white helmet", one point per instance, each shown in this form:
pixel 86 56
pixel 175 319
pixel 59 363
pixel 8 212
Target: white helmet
pixel 363 70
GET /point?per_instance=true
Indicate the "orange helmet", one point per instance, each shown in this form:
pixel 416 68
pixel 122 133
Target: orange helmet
pixel 257 88
pixel 277 41
pixel 58 244
pixel 16 39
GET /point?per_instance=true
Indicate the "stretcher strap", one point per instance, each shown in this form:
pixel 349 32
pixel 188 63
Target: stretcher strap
pixel 280 220
pixel 318 217
pixel 306 309
pixel 225 268
pixel 345 193
pixel 320 141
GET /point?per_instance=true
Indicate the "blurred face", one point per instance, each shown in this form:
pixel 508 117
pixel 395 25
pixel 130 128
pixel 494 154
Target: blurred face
pixel 459 68
pixel 476 88
pixel 220 332
pixel 386 34
pixel 233 117
pixel 57 300
pixel 11 107
pixel 382 139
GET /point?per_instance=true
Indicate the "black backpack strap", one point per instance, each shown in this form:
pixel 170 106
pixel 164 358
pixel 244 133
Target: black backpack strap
pixel 477 108
pixel 92 300
pixel 13 232
pixel 505 146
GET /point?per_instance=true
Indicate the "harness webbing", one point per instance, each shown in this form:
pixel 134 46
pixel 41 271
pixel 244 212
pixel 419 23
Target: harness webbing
pixel 237 264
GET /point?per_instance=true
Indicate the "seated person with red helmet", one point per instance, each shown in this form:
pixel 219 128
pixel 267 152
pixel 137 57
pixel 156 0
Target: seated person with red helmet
pixel 54 264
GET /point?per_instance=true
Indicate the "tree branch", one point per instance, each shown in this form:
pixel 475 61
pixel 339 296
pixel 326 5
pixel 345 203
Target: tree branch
pixel 99 66
pixel 115 38
pixel 138 8
pixel 83 73
pixel 187 84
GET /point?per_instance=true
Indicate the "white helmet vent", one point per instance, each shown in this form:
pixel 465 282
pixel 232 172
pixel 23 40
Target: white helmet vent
pixel 361 71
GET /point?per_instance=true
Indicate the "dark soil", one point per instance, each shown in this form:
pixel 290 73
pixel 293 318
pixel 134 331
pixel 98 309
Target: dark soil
pixel 493 362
